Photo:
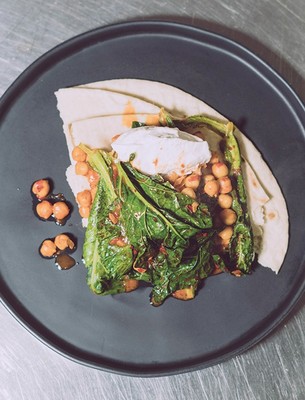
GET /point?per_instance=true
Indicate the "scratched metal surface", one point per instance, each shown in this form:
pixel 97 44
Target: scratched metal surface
pixel 273 369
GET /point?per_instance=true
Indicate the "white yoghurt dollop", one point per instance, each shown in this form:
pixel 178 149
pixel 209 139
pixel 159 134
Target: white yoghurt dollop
pixel 161 150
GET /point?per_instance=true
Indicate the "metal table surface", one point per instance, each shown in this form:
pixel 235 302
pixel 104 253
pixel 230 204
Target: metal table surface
pixel 275 368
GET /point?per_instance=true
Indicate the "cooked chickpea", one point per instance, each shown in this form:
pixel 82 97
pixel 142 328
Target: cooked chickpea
pixel 225 244
pixel 208 178
pixel 84 198
pixel 194 206
pixel 237 273
pixel 215 158
pixel 189 192
pixel 130 284
pixel 41 188
pixel 192 181
pixel 78 154
pixel 225 200
pixel 48 248
pixel 221 244
pixel 84 212
pixel 228 216
pixel 93 178
pixel 81 168
pixel 225 185
pixel 220 170
pixel 63 242
pixel 113 218
pixel 60 210
pixel 179 183
pixel 117 241
pixel 172 176
pixel 211 188
pixel 226 233
pixel 44 209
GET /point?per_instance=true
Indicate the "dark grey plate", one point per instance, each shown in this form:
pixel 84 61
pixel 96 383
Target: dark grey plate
pixel 124 333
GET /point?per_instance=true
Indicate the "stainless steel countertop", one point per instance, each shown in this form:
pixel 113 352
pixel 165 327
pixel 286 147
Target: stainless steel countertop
pixel 275 368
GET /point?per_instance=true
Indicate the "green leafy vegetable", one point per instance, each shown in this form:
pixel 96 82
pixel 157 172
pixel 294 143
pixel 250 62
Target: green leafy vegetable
pixel 141 228
pixel 106 264
pixel 241 251
pixel 156 225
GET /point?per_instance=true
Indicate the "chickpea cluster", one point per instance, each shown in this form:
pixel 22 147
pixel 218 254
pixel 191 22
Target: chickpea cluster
pixel 46 208
pixel 213 180
pixel 85 198
pixel 49 247
pixel 54 207
pixel 59 210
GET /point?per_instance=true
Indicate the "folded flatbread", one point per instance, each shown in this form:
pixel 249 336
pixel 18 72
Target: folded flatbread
pixel 95 113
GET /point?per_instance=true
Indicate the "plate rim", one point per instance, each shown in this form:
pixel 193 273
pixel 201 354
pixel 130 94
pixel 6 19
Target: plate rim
pixel 24 80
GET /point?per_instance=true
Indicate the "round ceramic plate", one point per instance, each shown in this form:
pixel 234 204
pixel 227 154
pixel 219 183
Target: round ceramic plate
pixel 124 333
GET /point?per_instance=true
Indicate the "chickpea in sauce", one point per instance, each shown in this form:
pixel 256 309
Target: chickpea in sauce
pixel 41 188
pixel 49 206
pixel 58 249
pixel 85 198
pixel 214 181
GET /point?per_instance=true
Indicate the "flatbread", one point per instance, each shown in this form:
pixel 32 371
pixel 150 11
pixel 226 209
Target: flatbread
pixel 90 123
pixel 79 105
pixel 110 127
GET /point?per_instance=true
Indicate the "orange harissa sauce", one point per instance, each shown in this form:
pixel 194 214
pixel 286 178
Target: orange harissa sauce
pixel 129 115
pixel 152 119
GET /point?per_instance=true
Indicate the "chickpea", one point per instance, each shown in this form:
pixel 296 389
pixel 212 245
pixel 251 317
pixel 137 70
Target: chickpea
pixel 44 209
pixel 117 241
pixel 208 178
pixel 81 168
pixel 113 218
pixel 78 154
pixel 228 216
pixel 189 192
pixel 172 176
pixel 130 284
pixel 93 178
pixel 225 200
pixel 225 185
pixel 84 198
pixel 194 206
pixel 215 158
pixel 179 182
pixel 60 210
pixel 47 248
pixel 211 188
pixel 63 242
pixel 192 181
pixel 237 273
pixel 41 188
pixel 225 244
pixel 84 212
pixel 220 170
pixel 222 244
pixel 226 233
